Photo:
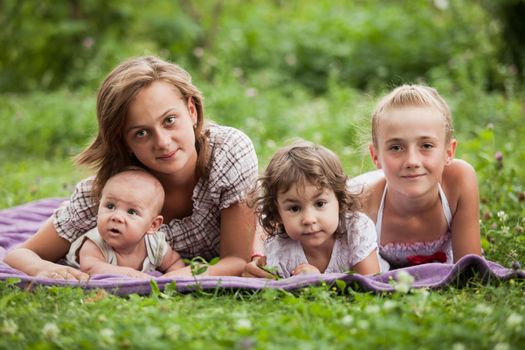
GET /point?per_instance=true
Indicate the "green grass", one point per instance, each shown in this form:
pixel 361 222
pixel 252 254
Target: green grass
pixel 480 317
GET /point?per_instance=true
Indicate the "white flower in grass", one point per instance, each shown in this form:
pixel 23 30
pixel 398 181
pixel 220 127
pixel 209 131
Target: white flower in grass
pixel 152 332
pixel 404 282
pixel 50 331
pixel 423 293
pixel 502 346
pixel 502 216
pixel 363 324
pixel 347 320
pixel 173 332
pixel 251 92
pixel 483 309
pixel 372 309
pixel 243 324
pixel 9 327
pixel 514 320
pixel 389 305
pixel 107 336
pixel 459 346
pixel 271 144
pixel 441 4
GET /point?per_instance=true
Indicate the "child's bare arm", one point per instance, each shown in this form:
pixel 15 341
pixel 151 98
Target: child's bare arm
pixel 367 266
pixel 92 261
pixel 461 177
pixel 172 261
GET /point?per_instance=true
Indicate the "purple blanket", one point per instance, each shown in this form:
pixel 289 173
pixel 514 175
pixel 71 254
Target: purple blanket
pixel 19 223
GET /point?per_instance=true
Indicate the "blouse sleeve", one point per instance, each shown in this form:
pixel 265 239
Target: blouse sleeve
pixel 236 167
pixel 361 238
pixel 78 215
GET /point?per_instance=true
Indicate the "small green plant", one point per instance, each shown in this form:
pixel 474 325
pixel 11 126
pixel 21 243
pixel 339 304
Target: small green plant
pixel 198 265
pixel 272 270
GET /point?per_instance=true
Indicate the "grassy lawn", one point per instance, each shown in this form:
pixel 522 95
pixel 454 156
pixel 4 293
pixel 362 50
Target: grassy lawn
pixel 472 317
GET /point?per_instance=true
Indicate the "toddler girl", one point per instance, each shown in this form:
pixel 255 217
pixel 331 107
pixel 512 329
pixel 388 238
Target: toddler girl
pixel 425 203
pixel 309 216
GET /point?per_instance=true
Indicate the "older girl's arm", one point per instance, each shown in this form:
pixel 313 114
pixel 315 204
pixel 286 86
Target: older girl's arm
pixel 37 255
pixel 461 177
pixel 367 266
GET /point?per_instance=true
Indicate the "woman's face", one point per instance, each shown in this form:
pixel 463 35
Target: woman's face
pixel 159 130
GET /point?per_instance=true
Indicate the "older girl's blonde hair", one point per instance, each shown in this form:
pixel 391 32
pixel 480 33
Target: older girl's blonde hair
pixel 300 163
pixel 108 153
pixel 412 96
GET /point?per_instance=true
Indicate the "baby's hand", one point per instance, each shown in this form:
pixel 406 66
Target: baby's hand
pixel 305 269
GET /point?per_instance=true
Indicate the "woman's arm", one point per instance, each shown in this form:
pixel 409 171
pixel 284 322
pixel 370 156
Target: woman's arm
pixel 172 261
pixel 236 237
pixel 236 240
pixel 460 179
pixel 37 255
pixel 253 268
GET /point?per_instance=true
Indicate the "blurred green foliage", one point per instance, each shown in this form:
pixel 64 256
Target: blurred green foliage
pixel 363 44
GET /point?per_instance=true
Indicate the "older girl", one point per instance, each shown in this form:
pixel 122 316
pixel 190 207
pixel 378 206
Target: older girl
pixel 425 204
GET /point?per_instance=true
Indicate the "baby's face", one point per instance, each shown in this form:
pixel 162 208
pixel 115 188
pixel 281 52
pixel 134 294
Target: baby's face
pixel 126 211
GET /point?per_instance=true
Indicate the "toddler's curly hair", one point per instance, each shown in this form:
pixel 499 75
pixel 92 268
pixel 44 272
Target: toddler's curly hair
pixel 301 163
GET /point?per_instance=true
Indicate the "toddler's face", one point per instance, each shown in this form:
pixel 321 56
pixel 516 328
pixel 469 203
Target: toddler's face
pixel 309 214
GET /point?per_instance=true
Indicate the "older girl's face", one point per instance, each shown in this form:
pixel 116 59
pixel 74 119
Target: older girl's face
pixel 412 149
pixel 159 130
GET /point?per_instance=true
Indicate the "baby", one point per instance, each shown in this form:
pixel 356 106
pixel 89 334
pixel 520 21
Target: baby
pixel 126 240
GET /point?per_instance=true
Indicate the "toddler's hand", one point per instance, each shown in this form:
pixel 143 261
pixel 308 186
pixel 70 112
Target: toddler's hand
pixel 305 269
pixel 253 268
